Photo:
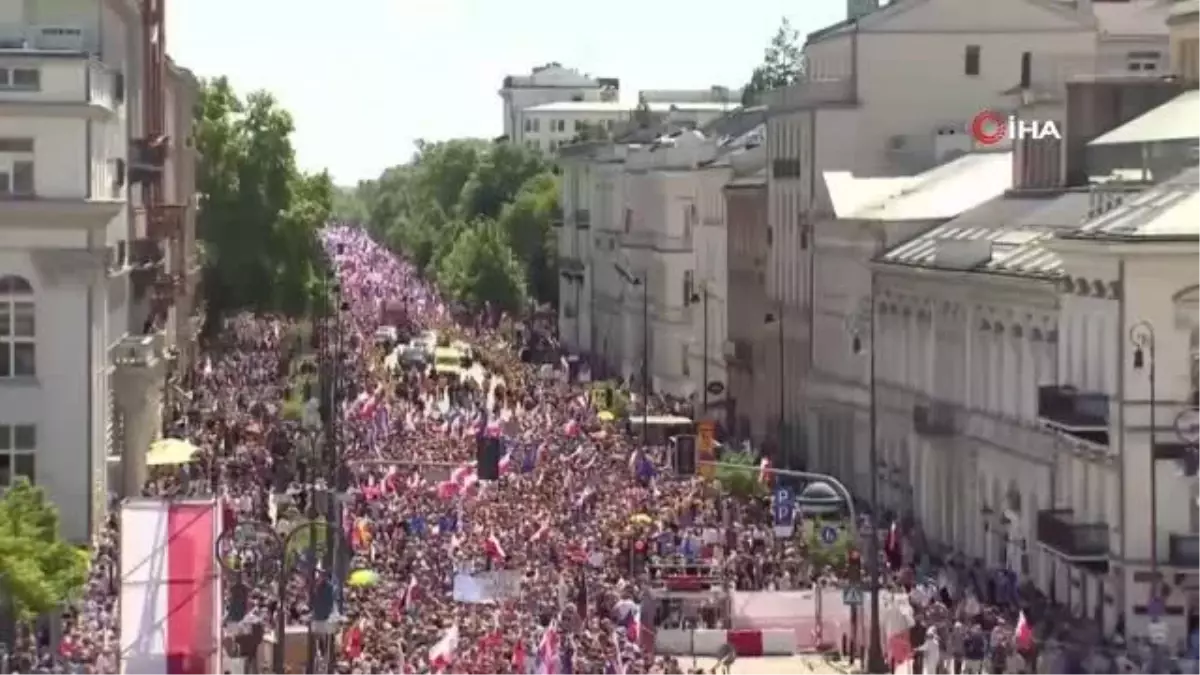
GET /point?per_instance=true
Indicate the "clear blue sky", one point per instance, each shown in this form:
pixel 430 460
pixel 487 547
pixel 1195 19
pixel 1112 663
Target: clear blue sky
pixel 366 78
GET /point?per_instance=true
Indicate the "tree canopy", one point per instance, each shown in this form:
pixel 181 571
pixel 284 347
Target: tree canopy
pixel 741 477
pixel 38 569
pixel 259 213
pixel 782 64
pixel 475 215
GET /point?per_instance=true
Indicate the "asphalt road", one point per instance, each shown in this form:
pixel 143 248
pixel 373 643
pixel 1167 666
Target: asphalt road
pixel 791 665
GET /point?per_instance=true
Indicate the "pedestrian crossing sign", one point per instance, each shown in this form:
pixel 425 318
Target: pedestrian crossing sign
pixel 852 596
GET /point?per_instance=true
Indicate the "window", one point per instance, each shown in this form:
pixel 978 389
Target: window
pixel 17 445
pixel 25 79
pixel 971 60
pixel 528 125
pixel 1143 62
pixel 17 328
pixel 537 125
pixel 16 167
pixel 689 284
pixel 785 168
pixel 576 126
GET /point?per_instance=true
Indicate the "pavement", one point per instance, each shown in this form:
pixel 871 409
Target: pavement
pixel 791 665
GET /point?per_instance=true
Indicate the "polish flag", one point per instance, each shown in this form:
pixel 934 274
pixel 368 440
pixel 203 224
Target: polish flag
pixel 891 545
pixel 171 588
pixel 442 654
pixel 1023 635
pixel 460 475
pixel 571 429
pixel 447 489
pixel 764 471
pixel 547 652
pixel 492 547
pixel 493 429
pixel 518 657
pixel 541 532
pixel 506 463
pixel 415 480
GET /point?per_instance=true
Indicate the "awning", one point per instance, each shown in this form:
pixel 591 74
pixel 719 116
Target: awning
pixel 1177 119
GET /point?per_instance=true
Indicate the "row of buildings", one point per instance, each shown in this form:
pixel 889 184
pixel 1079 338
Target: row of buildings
pixel 98 262
pixel 1004 334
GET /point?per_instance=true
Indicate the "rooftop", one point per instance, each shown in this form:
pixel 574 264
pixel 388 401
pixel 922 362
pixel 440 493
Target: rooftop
pixel 1170 209
pixel 940 193
pixel 1175 120
pixel 616 107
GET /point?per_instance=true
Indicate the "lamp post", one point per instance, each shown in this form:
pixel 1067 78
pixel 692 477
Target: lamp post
pixel 269 546
pixel 863 321
pixel 1141 336
pixel 702 298
pixel 778 320
pixel 633 280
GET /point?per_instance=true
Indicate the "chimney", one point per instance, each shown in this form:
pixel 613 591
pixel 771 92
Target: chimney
pixel 856 9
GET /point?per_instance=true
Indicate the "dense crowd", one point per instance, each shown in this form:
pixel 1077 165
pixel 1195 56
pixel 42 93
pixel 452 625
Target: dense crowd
pixel 581 521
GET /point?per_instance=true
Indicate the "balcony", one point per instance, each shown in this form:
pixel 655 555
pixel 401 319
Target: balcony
pixel 1068 410
pixel 147 158
pixel 934 419
pixel 1184 551
pixel 57 39
pixel 61 87
pixel 1080 543
pixel 164 221
pixel 817 88
pixel 146 261
pixel 583 219
pixel 656 241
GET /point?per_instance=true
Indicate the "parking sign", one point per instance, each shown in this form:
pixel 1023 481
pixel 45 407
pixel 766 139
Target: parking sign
pixel 784 511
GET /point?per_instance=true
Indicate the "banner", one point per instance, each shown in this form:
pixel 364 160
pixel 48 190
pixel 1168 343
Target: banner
pixel 486 587
pixel 706 448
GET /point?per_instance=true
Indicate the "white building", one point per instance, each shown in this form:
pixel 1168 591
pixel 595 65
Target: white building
pixel 553 125
pixel 69 151
pixel 651 204
pixel 551 83
pixel 861 109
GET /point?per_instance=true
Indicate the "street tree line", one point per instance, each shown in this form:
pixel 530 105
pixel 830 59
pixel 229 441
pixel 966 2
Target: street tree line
pixel 475 216
pixel 259 213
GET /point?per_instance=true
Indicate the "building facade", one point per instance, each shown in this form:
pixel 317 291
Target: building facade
pixel 70 119
pixel 551 83
pixel 746 219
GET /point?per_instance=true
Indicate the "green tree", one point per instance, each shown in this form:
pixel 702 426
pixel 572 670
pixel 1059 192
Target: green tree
pixel 782 64
pixel 482 268
pixel 424 208
pixel 742 478
pixel 259 213
pixel 38 569
pixel 350 205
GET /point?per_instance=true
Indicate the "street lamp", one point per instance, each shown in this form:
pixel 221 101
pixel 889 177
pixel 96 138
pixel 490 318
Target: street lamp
pixel 1141 336
pixel 270 547
pixel 778 320
pixel 633 280
pixel 702 298
pixel 863 321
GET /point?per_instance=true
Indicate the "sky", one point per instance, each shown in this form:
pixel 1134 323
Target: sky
pixel 365 83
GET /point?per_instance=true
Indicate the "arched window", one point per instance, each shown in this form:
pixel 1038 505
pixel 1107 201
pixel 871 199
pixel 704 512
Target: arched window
pixel 18 335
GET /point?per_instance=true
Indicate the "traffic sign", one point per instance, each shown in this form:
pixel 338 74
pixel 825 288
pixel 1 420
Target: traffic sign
pixel 852 596
pixel 829 535
pixel 783 510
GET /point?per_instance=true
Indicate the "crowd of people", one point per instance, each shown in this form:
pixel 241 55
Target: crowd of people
pixel 580 523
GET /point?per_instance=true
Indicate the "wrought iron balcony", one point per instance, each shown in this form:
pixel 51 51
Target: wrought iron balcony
pixel 1077 542
pixel 1184 551
pixel 147 158
pixel 1083 415
pixel 934 419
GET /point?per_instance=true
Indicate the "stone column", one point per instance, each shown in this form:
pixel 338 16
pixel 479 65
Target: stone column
pixel 138 379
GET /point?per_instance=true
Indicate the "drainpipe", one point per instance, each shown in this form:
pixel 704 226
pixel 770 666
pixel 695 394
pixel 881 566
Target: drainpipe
pixel 1121 520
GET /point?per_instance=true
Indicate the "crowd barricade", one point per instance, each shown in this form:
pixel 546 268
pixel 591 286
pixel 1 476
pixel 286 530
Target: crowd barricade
pixel 820 618
pixel 707 642
pixel 684 577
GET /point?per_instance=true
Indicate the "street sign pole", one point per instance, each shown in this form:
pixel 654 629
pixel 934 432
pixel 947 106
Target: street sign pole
pixel 783 510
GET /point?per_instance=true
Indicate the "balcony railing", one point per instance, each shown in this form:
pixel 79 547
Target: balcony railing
pixel 1074 541
pixel 1184 551
pixel 46 37
pixel 934 419
pixel 658 241
pixel 1083 415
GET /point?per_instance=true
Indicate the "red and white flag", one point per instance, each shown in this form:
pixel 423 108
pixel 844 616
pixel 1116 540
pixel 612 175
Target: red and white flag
pixel 442 654
pixel 547 652
pixel 764 471
pixel 506 463
pixel 492 547
pixel 171 587
pixel 1023 635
